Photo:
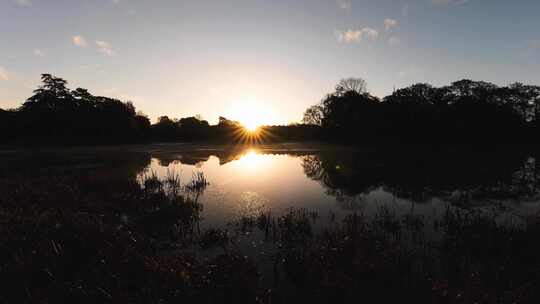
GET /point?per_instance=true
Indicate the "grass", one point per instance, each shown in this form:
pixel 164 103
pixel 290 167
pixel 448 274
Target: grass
pixel 88 238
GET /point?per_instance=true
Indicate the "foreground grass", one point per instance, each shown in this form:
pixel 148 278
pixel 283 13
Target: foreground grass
pixel 92 238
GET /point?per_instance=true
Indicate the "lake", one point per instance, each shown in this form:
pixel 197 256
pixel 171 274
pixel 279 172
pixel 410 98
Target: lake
pixel 332 181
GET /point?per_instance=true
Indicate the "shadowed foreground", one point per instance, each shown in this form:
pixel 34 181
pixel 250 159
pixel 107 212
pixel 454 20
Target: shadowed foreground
pixel 87 238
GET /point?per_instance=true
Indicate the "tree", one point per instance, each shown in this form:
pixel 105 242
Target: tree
pixel 421 93
pixel 466 111
pixel 224 122
pixel 164 120
pixel 314 115
pixel 470 90
pixel 55 113
pixel 524 98
pixel 357 85
pixel 50 95
pixel 55 85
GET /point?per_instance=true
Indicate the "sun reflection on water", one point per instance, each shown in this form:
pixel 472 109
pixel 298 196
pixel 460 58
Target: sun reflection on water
pixel 252 160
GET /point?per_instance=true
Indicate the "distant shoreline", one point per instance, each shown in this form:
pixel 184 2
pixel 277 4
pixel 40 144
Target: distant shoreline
pixel 285 145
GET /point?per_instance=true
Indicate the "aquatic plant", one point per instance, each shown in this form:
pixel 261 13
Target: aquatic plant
pixel 95 238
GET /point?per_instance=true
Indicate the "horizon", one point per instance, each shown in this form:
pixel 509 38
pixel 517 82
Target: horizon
pixel 276 59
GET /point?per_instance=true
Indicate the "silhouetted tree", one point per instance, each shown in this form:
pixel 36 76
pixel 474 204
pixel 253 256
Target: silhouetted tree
pixel 194 128
pixel 165 129
pixel 465 111
pixel 357 85
pixel 224 122
pixel 50 95
pixel 420 93
pixel 314 115
pixel 347 114
pixel 54 114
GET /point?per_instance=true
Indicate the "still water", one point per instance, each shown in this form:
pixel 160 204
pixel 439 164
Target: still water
pixel 328 180
pixel 251 179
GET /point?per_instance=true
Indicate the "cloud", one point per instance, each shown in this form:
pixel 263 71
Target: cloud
pixel 394 41
pixel 79 41
pixel 389 24
pixel 344 4
pixel 102 46
pixel 449 2
pixel 370 33
pixel 3 73
pixel 351 36
pixel 23 2
pixel 105 48
pixel 38 53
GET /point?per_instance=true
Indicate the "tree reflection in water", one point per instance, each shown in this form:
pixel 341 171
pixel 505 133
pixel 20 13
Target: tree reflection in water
pixel 418 176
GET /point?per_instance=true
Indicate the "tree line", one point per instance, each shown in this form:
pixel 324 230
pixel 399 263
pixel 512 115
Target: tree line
pixel 54 114
pixel 464 112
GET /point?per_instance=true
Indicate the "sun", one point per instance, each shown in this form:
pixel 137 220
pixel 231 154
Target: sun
pixel 252 115
pixel 251 126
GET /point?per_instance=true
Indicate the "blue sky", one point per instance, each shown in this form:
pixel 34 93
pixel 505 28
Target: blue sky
pixel 186 57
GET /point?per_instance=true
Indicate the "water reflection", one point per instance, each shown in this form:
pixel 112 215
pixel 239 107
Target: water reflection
pixel 421 177
pixel 326 179
pixel 243 180
pixel 253 161
pixel 337 180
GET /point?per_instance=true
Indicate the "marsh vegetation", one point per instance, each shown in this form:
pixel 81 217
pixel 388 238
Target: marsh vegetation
pixel 145 231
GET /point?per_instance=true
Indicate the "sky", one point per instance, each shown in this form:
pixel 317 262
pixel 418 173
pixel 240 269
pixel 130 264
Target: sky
pixel 217 57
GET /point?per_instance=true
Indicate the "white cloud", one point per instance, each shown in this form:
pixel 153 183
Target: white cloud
pixel 394 41
pixel 38 53
pixel 370 33
pixel 105 48
pixel 389 23
pixel 344 4
pixel 449 2
pixel 79 41
pixel 351 36
pixel 23 2
pixel 102 46
pixel 3 73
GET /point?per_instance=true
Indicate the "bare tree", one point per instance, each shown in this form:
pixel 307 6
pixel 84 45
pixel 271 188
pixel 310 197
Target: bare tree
pixel 357 85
